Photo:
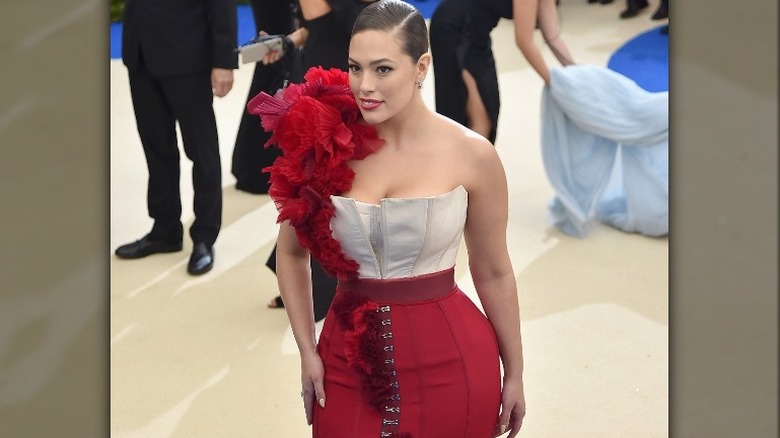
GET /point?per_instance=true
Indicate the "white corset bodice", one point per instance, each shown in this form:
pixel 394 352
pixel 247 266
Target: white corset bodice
pixel 401 237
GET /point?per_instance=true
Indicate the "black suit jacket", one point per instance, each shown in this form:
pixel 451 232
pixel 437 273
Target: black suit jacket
pixel 179 36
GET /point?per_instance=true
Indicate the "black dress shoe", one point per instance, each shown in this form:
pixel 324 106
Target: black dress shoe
pixel 201 260
pixel 633 8
pixel 661 13
pixel 145 247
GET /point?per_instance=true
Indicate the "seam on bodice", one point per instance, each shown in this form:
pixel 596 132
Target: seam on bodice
pixel 366 234
pixel 372 229
pixel 428 210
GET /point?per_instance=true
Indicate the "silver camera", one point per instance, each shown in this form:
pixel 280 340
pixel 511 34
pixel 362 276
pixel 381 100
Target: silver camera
pixel 255 49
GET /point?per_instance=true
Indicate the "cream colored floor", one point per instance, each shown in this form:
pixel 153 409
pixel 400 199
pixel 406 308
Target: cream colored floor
pixel 202 357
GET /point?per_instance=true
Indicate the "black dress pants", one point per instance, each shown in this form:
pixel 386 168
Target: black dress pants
pixel 159 102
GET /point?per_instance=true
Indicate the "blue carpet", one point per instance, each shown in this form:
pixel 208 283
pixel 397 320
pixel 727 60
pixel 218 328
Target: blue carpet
pixel 644 59
pixel 116 40
pixel 246 24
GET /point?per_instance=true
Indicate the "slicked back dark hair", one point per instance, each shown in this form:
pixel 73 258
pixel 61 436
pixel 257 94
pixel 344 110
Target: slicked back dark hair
pixel 398 16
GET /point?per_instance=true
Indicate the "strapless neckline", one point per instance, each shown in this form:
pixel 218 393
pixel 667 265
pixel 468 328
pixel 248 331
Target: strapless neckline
pixel 401 237
pixel 398 199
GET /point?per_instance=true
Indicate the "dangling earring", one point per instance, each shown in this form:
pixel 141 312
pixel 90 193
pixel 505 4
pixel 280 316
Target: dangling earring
pixel 419 85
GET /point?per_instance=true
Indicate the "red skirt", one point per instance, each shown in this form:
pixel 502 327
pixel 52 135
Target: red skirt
pixel 409 357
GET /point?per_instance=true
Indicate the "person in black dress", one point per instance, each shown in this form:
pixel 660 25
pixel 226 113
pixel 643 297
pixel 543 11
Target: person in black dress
pixel 466 81
pixel 274 17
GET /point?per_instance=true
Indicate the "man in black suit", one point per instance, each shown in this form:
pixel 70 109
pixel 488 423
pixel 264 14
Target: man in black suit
pixel 179 54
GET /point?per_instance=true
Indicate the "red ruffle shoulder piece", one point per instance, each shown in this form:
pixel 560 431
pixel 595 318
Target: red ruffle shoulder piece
pixel 318 128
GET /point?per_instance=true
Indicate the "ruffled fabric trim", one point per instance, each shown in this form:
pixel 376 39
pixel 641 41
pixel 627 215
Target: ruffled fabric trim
pixel 360 319
pixel 368 348
pixel 318 128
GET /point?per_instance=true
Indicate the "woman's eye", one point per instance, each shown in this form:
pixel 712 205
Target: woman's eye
pixel 384 69
pixel 354 68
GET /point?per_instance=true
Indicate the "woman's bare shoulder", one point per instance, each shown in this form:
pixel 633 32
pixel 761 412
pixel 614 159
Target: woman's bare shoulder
pixel 469 154
pixel 463 139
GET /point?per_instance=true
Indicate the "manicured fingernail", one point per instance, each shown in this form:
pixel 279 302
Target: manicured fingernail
pixel 322 402
pixel 503 429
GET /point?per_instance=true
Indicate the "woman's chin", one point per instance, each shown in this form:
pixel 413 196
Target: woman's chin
pixel 372 117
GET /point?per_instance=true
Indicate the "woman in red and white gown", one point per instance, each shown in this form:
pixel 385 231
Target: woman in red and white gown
pixel 403 352
pixel 432 340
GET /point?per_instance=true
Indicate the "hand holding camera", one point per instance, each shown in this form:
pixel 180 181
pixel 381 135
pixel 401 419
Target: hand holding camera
pixel 265 48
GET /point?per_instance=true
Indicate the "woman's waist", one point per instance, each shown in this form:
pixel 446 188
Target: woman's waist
pixel 405 290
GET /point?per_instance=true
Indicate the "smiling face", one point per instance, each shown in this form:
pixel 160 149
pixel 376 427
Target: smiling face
pixel 382 76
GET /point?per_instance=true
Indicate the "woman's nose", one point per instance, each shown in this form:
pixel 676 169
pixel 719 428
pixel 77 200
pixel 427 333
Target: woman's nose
pixel 366 84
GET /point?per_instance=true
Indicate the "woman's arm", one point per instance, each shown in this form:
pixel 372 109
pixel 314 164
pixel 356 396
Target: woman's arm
pixel 298 38
pixel 551 31
pixel 311 9
pixel 525 13
pixel 493 276
pixel 294 277
pixel 293 272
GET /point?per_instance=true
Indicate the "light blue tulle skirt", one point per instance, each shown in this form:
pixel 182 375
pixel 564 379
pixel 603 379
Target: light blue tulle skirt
pixel 605 147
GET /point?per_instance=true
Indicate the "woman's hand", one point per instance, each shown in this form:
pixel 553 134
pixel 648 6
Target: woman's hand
pixel 296 39
pixel 312 377
pixel 512 408
pixel 273 55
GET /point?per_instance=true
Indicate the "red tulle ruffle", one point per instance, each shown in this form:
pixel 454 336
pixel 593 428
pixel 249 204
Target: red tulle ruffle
pixel 318 127
pixel 363 349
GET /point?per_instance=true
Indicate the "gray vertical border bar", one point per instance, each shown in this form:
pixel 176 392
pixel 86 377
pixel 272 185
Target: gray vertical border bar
pixel 724 218
pixel 54 146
